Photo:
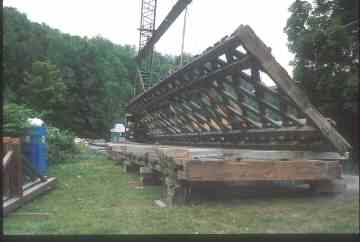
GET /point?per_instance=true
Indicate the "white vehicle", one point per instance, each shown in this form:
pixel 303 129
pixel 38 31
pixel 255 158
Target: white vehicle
pixel 118 133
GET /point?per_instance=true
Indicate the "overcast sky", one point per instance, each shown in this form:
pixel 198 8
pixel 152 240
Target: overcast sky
pixel 207 22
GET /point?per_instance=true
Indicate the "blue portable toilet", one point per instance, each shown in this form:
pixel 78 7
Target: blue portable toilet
pixel 35 148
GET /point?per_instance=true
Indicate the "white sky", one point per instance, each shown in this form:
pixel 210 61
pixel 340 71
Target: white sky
pixel 208 21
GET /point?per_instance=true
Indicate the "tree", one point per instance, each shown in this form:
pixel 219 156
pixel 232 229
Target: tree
pixel 43 88
pixel 323 37
pixel 325 59
pixel 80 84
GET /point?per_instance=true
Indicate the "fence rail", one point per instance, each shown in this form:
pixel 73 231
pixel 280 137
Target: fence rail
pixel 21 181
pixel 12 168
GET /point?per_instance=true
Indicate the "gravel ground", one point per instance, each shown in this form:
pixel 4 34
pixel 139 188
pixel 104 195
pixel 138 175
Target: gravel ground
pixel 352 186
pixel 352 182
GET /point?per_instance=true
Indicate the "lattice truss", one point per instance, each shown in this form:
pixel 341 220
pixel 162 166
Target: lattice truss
pixel 147 21
pixel 219 99
pixel 147 27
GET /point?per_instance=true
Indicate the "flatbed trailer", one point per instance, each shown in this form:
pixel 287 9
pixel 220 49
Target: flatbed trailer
pixel 177 168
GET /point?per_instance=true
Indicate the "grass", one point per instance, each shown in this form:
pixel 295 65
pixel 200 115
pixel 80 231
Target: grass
pixel 94 196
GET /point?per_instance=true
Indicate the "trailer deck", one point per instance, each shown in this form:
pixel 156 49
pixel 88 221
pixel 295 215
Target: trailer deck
pixel 178 167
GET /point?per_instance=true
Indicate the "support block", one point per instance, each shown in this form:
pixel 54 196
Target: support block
pixel 149 177
pixel 328 186
pixel 130 167
pixel 175 192
pixel 145 170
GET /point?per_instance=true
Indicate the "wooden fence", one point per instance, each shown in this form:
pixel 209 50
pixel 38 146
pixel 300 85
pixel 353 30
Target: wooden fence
pixel 12 168
pixel 21 181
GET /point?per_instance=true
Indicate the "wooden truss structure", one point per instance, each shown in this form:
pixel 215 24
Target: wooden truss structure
pixel 219 99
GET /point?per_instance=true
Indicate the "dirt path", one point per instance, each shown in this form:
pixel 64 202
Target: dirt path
pixel 352 182
pixel 352 186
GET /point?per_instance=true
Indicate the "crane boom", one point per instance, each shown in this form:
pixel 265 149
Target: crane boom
pixel 163 27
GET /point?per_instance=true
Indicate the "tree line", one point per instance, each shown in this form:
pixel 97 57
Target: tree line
pixel 80 84
pixel 324 36
pixel 84 84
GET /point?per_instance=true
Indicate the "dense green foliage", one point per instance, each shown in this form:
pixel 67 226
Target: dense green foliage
pixel 326 59
pixel 61 144
pixel 323 35
pixel 77 83
pixel 15 119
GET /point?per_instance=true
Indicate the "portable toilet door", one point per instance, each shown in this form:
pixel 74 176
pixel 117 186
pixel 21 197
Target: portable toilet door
pixel 35 148
pixel 115 137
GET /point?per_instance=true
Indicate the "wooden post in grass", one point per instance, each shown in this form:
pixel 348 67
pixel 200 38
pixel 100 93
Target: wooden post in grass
pixel 12 167
pixel 129 166
pixel 174 190
pixel 18 175
pixel 125 165
pixel 149 177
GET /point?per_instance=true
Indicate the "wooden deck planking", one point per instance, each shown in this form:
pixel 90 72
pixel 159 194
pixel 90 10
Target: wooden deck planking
pixel 186 153
pixel 215 164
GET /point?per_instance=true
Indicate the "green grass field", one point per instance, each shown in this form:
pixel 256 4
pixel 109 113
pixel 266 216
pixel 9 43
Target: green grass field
pixel 94 196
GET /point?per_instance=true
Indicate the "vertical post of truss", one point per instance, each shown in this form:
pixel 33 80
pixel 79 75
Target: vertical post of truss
pixel 147 28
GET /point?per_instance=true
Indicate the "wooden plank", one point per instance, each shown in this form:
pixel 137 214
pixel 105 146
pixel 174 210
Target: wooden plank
pixel 201 80
pixel 223 165
pixel 272 107
pixel 7 159
pixel 255 75
pixel 142 86
pixel 153 152
pixel 279 75
pixel 262 170
pixel 18 173
pixel 333 186
pixel 186 153
pixel 28 195
pixel 31 183
pixel 12 165
pixel 283 110
pixel 265 131
pixel 281 155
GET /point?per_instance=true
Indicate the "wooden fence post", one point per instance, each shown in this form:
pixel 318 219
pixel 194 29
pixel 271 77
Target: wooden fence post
pixel 13 173
pixel 18 167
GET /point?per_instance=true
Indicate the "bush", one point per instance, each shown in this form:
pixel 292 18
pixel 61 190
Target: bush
pixel 15 119
pixel 61 145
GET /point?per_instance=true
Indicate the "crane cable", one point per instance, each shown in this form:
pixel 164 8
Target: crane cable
pixel 182 42
pixel 183 38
